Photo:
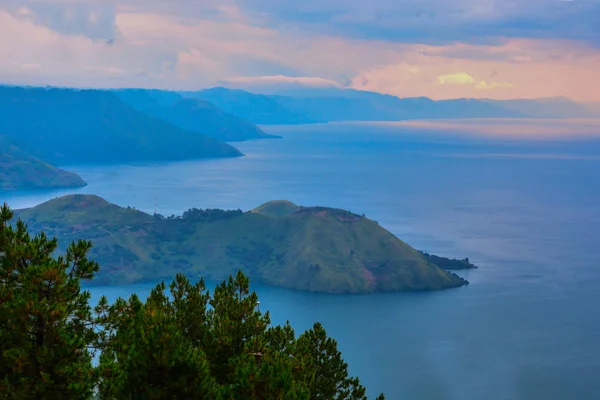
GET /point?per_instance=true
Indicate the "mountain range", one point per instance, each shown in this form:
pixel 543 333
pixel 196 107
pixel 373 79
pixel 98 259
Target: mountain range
pixel 57 126
pixel 311 105
pixel 64 126
pixel 192 114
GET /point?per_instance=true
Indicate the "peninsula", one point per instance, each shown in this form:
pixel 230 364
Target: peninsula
pixel 315 249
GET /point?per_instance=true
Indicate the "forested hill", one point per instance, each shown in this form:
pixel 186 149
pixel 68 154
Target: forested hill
pixel 64 126
pixel 192 114
pixel 20 170
pixel 306 248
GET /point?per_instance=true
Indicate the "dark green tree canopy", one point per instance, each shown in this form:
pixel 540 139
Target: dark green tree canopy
pixel 183 342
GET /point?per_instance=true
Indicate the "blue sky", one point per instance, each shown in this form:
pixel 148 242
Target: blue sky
pixel 435 48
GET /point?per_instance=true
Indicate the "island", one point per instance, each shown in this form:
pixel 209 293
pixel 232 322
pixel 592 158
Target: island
pixel 20 170
pixel 316 249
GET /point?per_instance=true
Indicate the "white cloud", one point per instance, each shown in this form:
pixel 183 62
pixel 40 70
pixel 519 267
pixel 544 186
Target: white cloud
pixel 485 86
pixel 209 45
pixel 460 78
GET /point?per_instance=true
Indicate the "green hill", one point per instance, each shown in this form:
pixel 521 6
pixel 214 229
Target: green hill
pixel 20 170
pixel 306 248
pixel 64 126
pixel 276 208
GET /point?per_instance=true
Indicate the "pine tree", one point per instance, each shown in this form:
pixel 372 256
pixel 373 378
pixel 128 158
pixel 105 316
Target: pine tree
pixel 235 326
pixel 331 380
pixel 182 345
pixel 148 356
pixel 46 324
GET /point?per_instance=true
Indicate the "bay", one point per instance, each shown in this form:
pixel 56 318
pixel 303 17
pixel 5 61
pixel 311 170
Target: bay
pixel 521 199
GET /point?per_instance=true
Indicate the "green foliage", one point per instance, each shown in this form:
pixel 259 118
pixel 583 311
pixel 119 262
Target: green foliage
pixel 331 379
pixel 147 356
pixel 194 345
pixel 306 248
pixel 46 322
pixel 276 208
pixel 184 344
pixel 447 263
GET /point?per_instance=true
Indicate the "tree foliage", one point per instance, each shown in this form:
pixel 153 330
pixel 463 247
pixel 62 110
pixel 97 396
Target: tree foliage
pixel 46 323
pixel 183 342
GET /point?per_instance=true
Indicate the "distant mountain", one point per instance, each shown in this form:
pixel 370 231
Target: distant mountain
pixel 556 107
pixel 336 104
pixel 594 108
pixel 20 170
pixel 194 115
pixel 256 108
pixel 305 248
pixel 64 126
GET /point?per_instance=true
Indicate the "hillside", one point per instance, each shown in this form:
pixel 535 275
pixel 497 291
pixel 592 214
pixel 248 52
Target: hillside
pixel 256 108
pixel 192 114
pixel 310 105
pixel 306 248
pixel 65 126
pixel 20 170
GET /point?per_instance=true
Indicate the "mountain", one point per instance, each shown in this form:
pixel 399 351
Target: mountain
pixel 194 115
pixel 20 170
pixel 332 104
pixel 64 126
pixel 555 107
pixel 256 108
pixel 594 108
pixel 305 248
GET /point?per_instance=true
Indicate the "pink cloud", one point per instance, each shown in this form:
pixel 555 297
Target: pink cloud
pixel 517 69
pixel 163 50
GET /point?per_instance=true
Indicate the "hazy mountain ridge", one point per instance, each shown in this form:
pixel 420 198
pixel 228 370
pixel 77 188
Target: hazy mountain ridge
pixel 192 114
pixel 67 126
pixel 310 105
pixel 20 170
pixel 256 108
pixel 306 248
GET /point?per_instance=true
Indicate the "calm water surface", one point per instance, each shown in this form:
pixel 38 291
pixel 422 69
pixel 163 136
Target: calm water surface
pixel 526 209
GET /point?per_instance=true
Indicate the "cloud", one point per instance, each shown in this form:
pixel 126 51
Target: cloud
pixel 95 20
pixel 461 78
pixel 439 21
pixel 517 68
pixel 385 46
pixel 484 85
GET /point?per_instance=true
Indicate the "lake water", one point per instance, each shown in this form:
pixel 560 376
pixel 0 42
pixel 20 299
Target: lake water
pixel 520 199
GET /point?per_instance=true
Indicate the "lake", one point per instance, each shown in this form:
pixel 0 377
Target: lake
pixel 520 198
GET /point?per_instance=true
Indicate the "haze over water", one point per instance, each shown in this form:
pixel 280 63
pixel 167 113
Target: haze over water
pixel 525 208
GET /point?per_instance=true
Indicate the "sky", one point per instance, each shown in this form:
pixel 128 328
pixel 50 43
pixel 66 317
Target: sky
pixel 436 48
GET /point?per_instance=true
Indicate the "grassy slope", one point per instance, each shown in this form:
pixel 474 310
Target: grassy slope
pixel 276 208
pixel 92 126
pixel 20 170
pixel 317 249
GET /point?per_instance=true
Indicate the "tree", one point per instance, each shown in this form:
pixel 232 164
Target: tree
pixel 147 356
pixel 331 380
pixel 184 344
pixel 235 326
pixel 46 323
